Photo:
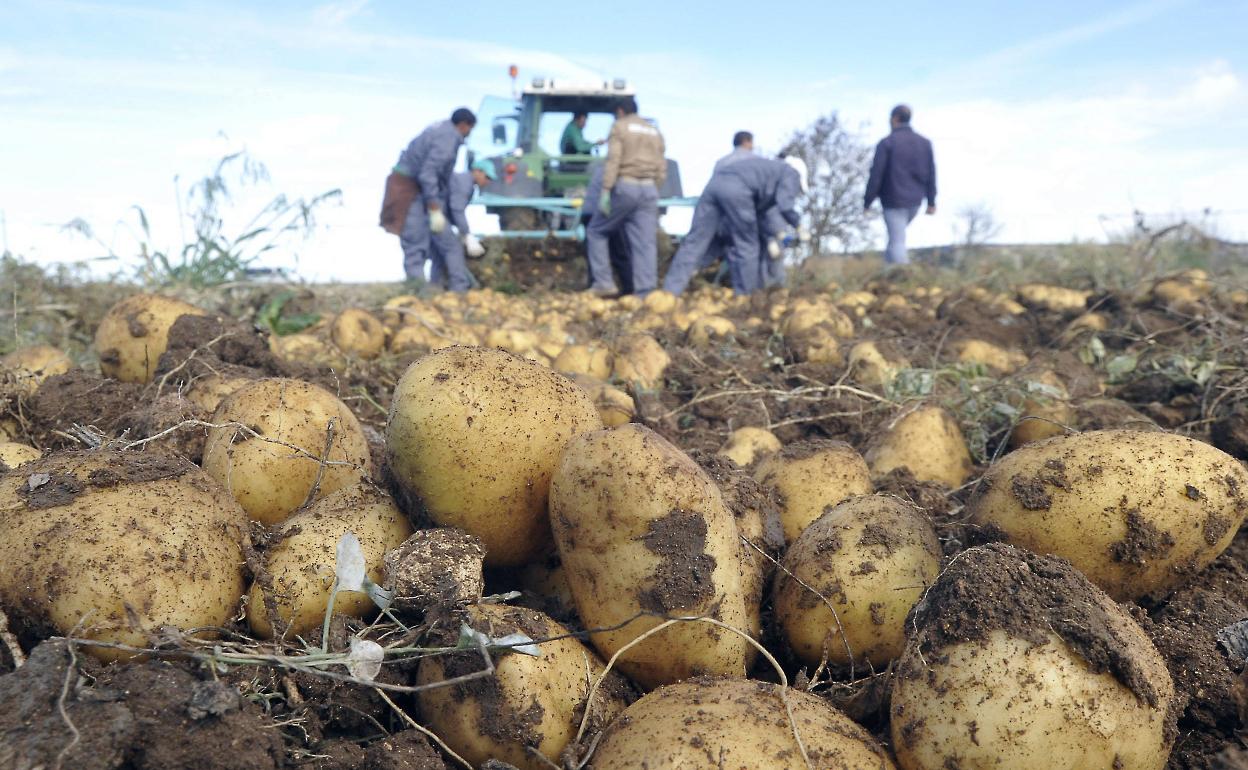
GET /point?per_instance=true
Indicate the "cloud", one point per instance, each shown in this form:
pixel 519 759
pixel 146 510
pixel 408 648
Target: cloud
pixel 335 14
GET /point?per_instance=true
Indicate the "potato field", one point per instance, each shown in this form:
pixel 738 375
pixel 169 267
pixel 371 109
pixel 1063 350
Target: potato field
pixel 887 525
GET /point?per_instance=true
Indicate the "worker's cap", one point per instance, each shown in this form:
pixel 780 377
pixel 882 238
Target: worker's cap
pixel 486 167
pixel 800 166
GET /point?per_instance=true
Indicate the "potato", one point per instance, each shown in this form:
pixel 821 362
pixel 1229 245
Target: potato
pixel 928 442
pixel 1137 512
pixel 13 454
pixel 811 477
pixel 265 473
pixel 640 527
pixel 639 359
pixel 1043 412
pixel 994 357
pixel 32 365
pixel 303 563
pixel 709 724
pixel 113 545
pixel 531 705
pixel 475 434
pixel 614 406
pixel 307 349
pixel 134 334
pixel 585 359
pixel 408 309
pixel 871 557
pixel 709 330
pixel 661 301
pixel 418 338
pixel 745 445
pixel 1017 661
pixel 209 391
pixel 869 366
pixel 358 333
pixel 816 345
pixel 1057 299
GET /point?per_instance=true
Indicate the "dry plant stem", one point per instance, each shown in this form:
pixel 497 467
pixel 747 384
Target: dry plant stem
pixel 267 592
pixel 70 670
pixel 10 642
pixel 784 680
pixel 323 460
pixel 250 433
pixel 421 729
pixel 849 652
pixel 160 387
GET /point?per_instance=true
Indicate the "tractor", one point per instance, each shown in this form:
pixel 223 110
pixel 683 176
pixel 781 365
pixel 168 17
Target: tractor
pixel 540 190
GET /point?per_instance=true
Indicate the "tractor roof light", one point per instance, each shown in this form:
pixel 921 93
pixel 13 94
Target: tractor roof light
pixel 539 82
pixel 513 71
pixel 619 84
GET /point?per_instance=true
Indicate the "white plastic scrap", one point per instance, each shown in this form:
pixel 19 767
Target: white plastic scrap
pixel 364 660
pixel 470 638
pixel 351 571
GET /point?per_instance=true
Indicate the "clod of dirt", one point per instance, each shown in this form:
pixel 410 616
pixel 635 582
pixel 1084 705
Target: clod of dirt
pixel 1108 414
pixel 1230 434
pixel 33 731
pixel 436 569
pixel 78 398
pixel 685 575
pixel 742 494
pixel 167 411
pixel 200 345
pixel 1000 587
pixel 407 750
pixel 178 730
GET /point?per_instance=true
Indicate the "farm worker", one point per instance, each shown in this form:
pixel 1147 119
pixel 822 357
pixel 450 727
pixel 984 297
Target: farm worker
pixel 616 244
pixel 448 248
pixel 742 147
pixel 429 161
pixel 903 173
pixel 634 172
pixel 734 201
pixel 777 234
pixel 574 141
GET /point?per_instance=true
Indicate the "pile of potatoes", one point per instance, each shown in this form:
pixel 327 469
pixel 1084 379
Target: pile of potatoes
pixel 699 595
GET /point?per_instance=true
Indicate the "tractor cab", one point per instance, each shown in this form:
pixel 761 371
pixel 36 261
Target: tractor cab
pixel 539 186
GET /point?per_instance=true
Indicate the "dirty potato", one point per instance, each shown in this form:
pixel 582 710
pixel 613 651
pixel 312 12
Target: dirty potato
pixel 302 564
pixel 1016 660
pixel 812 477
pixel 928 442
pixel 1135 511
pixel 745 445
pixel 13 454
pixel 358 333
pixel 641 528
pixel 530 709
pixel 709 724
pixel 134 334
pixel 142 540
pixel 268 448
pixel 475 434
pixel 870 558
pixel 30 366
pixel 639 360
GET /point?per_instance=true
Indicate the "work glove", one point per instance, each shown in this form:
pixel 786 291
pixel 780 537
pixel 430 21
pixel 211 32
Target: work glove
pixel 473 247
pixel 803 234
pixel 773 248
pixel 437 221
pixel 604 203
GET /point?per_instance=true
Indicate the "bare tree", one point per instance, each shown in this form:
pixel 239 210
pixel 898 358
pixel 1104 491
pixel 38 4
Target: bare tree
pixel 838 163
pixel 978 225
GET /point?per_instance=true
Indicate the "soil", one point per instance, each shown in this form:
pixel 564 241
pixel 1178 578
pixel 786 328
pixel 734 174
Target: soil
pixel 685 576
pixel 998 587
pixel 148 716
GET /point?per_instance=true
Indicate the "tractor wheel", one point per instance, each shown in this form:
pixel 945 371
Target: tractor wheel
pixel 516 218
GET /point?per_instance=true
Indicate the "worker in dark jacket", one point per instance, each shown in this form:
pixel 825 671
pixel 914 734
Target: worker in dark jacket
pixel 429 161
pixel 902 175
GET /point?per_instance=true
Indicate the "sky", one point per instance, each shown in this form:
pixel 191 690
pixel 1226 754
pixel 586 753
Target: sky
pixel 1061 118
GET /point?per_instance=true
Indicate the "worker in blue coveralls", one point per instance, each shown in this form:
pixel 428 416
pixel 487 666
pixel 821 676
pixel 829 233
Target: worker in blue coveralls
pixel 448 248
pixel 429 161
pixel 731 206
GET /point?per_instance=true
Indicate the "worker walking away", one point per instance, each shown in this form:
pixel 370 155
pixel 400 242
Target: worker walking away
pixel 636 167
pixel 428 163
pixel 777 235
pixel 742 147
pixel 621 270
pixel 450 271
pixel 903 173
pixel 574 141
pixel 734 200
